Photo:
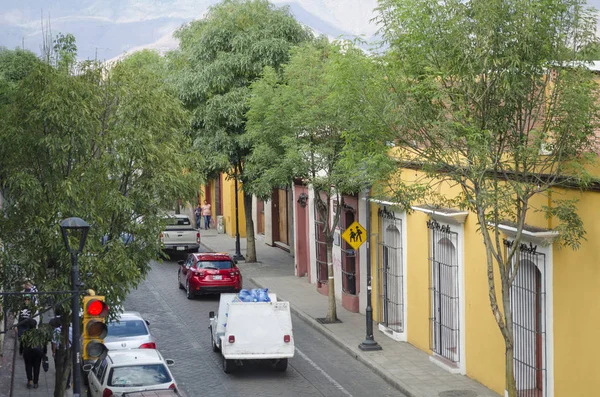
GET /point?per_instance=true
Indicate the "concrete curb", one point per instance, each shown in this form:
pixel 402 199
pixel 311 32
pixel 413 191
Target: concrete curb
pixel 7 362
pixel 343 345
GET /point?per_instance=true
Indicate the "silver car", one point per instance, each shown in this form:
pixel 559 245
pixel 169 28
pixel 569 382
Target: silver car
pixel 129 331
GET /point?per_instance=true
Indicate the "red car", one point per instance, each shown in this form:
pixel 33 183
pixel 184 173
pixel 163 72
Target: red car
pixel 208 273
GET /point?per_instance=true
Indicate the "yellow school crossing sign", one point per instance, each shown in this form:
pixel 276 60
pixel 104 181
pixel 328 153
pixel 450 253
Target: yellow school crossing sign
pixel 355 235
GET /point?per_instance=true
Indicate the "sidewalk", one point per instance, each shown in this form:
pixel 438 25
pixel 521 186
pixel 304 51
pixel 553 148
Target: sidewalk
pixel 46 381
pixel 400 364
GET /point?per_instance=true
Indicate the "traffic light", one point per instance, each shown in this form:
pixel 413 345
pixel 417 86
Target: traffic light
pixel 95 311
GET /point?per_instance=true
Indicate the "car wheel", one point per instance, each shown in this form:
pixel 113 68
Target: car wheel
pixel 188 293
pixel 228 365
pixel 178 280
pixel 281 365
pixel 215 347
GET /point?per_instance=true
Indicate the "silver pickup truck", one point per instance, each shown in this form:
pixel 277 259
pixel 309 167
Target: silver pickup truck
pixel 180 235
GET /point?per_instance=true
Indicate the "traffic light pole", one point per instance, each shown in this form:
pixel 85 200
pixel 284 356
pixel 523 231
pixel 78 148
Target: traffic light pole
pixel 76 331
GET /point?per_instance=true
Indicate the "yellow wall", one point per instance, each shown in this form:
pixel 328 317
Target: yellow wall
pixel 229 207
pixel 484 345
pixel 417 273
pixel 576 298
pixel 577 308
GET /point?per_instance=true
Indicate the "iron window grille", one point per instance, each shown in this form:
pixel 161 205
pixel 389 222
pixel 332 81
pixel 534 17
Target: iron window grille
pixel 321 250
pixel 528 304
pixel 390 271
pixel 443 292
pixel 348 255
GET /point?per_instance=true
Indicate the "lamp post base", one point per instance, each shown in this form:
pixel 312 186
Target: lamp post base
pixel 239 257
pixel 369 345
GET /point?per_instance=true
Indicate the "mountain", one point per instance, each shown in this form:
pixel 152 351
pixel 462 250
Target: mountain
pixel 109 28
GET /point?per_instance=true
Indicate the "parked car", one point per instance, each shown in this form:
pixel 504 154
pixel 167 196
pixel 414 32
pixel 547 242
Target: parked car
pixel 129 331
pixel 155 393
pixel 209 273
pixel 120 371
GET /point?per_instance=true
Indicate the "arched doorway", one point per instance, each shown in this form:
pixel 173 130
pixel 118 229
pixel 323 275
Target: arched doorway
pixel 528 309
pixel 444 318
pixel 392 278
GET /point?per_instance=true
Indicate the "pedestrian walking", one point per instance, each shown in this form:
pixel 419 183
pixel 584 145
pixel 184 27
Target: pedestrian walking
pixel 29 287
pixel 33 354
pixel 206 214
pixel 198 213
pixel 23 317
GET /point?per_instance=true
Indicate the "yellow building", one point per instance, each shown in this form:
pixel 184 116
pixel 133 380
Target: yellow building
pixel 220 194
pixel 431 290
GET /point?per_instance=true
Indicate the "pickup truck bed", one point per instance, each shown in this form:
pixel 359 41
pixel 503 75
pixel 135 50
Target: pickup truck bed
pixel 180 235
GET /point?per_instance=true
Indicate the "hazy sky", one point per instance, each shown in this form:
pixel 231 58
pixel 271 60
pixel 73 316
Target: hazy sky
pixel 109 28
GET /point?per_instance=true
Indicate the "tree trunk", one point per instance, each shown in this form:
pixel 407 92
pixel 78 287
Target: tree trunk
pixel 331 309
pixel 509 338
pixel 250 238
pixel 511 385
pixel 63 366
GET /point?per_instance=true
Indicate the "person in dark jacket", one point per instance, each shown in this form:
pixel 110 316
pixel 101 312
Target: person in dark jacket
pixel 23 317
pixel 32 356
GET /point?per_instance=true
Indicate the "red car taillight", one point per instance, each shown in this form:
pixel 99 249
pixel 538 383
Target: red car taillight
pixel 149 345
pixel 231 339
pixel 162 238
pixel 235 273
pixel 198 237
pixel 199 274
pixel 173 386
pixel 107 393
pixel 286 338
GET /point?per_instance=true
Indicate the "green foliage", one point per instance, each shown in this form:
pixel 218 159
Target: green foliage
pixel 104 145
pixel 490 95
pixel 65 51
pixel 220 56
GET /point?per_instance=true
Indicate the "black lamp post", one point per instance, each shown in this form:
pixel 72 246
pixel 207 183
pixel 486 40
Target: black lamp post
pixel 75 230
pixel 238 255
pixel 369 343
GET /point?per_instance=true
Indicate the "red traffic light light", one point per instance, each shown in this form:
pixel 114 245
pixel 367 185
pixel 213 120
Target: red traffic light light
pixel 96 308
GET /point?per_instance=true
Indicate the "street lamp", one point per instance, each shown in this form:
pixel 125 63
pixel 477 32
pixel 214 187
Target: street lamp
pixel 238 255
pixel 75 230
pixel 369 343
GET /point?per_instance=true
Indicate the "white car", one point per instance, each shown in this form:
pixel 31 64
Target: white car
pixel 121 371
pixel 129 331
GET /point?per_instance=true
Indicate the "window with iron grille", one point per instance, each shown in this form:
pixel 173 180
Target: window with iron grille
pixel 443 291
pixel 321 250
pixel 390 271
pixel 348 255
pixel 528 304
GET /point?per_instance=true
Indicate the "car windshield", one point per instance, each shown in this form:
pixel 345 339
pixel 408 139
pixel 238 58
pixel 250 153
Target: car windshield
pixel 178 221
pixel 139 375
pixel 125 328
pixel 215 264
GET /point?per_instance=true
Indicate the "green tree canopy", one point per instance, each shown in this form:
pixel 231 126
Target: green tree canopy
pixel 225 52
pixel 296 123
pixel 105 145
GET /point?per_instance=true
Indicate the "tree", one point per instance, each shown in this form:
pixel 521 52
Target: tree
pixel 296 123
pixel 226 51
pixel 491 96
pixel 104 145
